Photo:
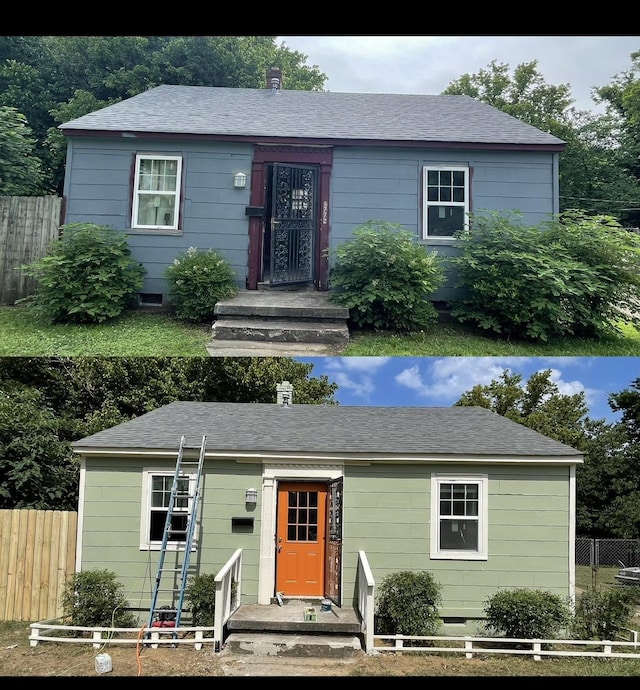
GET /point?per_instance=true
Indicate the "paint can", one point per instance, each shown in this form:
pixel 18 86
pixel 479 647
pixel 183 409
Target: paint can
pixel 326 606
pixel 103 663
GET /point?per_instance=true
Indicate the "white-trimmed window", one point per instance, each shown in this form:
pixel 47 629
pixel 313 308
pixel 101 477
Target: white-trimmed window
pixel 445 200
pixel 156 493
pixel 459 517
pixel 156 194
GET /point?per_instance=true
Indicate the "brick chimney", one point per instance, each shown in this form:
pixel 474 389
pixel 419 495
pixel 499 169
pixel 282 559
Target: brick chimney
pixel 274 79
pixel 284 394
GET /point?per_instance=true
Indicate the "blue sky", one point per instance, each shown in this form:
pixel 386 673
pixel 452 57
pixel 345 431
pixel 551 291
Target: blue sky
pixel 440 381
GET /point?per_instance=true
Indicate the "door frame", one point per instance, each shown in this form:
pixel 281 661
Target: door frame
pixel 295 155
pixel 272 474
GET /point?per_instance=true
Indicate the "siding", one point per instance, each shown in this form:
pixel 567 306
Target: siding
pixel 98 191
pixel 112 516
pixel 386 514
pixel 366 184
pixel 528 531
pixel 385 184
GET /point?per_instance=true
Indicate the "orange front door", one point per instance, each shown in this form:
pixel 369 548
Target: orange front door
pixel 300 539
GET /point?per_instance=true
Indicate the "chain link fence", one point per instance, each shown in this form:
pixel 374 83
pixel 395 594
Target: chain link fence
pixel 612 553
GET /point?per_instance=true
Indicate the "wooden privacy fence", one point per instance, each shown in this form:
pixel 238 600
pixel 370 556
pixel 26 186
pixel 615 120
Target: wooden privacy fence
pixel 28 225
pixel 37 554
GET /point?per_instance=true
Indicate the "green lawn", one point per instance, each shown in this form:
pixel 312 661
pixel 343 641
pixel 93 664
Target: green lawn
pixel 137 333
pixel 449 338
pixel 148 333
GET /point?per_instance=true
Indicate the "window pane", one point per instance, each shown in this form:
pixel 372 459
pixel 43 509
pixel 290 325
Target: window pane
pixel 445 221
pixel 459 535
pixel 433 178
pixel 458 178
pixel 445 178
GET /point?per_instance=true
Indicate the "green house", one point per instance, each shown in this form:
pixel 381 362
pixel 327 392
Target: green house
pixel 480 501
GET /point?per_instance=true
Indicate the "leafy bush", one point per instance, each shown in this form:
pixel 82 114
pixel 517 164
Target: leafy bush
pixel 198 279
pixel 200 595
pixel 384 277
pixel 407 604
pixel 601 614
pixel 94 598
pixel 570 276
pixel 527 613
pixel 87 276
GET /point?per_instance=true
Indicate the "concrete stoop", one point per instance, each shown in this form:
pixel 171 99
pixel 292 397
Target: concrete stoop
pixel 281 330
pixel 293 645
pixel 300 321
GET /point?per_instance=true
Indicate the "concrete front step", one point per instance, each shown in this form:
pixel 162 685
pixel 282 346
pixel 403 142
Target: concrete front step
pixel 257 329
pixel 310 306
pixel 293 645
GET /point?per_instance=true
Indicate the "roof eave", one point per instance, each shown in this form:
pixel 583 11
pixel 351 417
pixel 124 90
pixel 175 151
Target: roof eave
pixel 319 141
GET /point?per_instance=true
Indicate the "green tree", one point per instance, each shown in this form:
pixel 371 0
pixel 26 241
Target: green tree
pixel 524 94
pixel 20 170
pixel 37 468
pixel 46 403
pixel 537 404
pixel 622 98
pixel 41 75
pixel 592 177
pixel 608 481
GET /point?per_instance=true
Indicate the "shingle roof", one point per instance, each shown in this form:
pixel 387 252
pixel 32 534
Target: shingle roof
pixel 322 115
pixel 261 427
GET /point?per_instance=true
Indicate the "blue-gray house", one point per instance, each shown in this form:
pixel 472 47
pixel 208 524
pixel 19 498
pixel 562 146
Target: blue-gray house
pixel 273 178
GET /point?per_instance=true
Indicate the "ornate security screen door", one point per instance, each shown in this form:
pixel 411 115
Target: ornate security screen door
pixel 334 541
pixel 293 224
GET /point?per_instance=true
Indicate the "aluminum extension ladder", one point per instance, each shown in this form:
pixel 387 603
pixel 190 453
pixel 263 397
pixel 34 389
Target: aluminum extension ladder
pixel 182 513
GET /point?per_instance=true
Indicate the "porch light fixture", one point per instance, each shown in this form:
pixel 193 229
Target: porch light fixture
pixel 251 496
pixel 240 180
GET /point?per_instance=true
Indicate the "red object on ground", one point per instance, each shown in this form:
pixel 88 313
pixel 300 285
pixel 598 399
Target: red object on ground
pixel 163 624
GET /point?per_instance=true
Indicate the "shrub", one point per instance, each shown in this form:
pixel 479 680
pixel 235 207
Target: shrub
pixel 385 277
pixel 198 279
pixel 407 604
pixel 601 614
pixel 87 276
pixel 527 613
pixel 570 276
pixel 200 595
pixel 94 598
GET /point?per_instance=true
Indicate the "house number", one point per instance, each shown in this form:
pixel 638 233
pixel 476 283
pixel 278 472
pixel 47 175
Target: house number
pixel 325 211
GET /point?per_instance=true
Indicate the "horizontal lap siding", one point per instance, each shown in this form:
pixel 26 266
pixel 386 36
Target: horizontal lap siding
pixel 98 191
pixel 112 515
pixel 387 515
pixel 385 184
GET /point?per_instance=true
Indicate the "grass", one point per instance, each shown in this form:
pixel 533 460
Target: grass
pixel 448 338
pixel 587 578
pixel 136 333
pixel 147 333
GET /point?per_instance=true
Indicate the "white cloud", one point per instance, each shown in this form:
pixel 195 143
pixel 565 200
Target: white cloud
pixel 450 377
pixel 356 374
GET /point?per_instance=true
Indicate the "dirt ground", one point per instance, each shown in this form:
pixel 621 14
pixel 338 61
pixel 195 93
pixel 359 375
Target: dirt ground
pixel 18 658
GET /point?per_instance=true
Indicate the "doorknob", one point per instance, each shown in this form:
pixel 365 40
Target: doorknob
pixel 279 544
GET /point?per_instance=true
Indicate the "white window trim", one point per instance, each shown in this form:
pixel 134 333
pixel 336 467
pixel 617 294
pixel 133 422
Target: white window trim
pixel 482 554
pixel 137 192
pixel 145 543
pixel 426 203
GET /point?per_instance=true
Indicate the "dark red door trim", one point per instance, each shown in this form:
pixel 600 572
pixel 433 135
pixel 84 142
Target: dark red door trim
pixel 303 156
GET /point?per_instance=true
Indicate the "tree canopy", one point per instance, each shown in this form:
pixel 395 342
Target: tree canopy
pixel 608 482
pixel 47 403
pixel 51 79
pixel 599 170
